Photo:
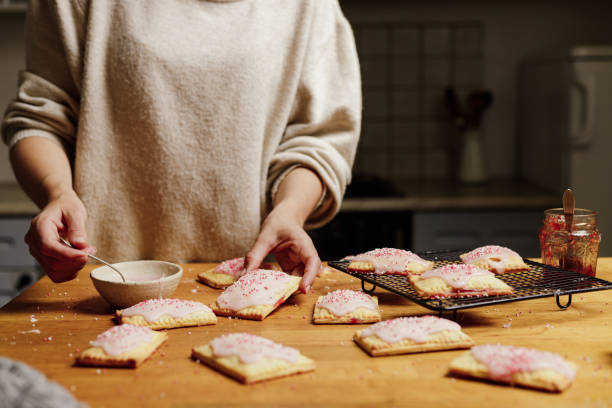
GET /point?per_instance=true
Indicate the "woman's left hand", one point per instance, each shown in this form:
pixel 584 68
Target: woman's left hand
pixel 282 234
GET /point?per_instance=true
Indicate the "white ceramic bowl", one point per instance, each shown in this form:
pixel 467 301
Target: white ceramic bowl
pixel 143 280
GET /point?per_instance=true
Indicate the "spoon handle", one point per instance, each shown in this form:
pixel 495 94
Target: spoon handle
pixel 568 208
pixel 568 213
pixel 107 264
pixel 96 258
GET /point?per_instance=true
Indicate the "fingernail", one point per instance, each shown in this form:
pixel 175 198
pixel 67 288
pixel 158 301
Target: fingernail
pixel 78 240
pixel 307 289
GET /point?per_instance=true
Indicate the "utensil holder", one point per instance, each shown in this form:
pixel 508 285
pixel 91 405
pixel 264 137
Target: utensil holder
pixel 471 166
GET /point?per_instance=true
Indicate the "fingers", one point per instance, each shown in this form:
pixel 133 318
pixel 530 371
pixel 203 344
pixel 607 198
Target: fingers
pixel 74 221
pixel 44 237
pixel 58 260
pixel 262 247
pixel 311 269
pixel 59 270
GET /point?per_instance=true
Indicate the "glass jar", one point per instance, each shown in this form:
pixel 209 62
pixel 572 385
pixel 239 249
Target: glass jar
pixel 574 250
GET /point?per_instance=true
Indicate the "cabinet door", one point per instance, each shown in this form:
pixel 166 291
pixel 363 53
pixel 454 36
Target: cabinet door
pixel 467 230
pixel 13 250
pixel 351 233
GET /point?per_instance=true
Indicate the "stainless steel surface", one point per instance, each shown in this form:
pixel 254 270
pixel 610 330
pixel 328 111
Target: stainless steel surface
pixel 568 213
pixel 97 259
pixel 568 208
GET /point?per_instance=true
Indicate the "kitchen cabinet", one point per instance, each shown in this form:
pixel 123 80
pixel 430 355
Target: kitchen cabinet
pixel 13 249
pixel 470 229
pixel 353 232
pixel 18 270
pixel 8 6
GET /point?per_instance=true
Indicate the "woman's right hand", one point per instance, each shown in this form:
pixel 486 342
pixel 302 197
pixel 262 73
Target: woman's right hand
pixel 64 216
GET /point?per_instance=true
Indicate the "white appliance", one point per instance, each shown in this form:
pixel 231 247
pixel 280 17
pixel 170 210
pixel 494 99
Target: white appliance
pixel 565 128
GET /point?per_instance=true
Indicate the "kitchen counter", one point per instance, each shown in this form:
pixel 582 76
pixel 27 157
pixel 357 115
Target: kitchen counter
pixel 430 196
pixel 434 196
pixel 71 314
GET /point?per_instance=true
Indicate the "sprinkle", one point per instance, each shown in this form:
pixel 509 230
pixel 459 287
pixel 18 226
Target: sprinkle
pixel 33 319
pixel 194 291
pixel 389 260
pixel 35 331
pixel 507 325
pixel 98 371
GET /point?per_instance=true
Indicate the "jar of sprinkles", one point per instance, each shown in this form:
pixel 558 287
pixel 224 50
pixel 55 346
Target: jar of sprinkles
pixel 574 247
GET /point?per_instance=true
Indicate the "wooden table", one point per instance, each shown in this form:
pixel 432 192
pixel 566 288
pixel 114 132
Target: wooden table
pixel 71 314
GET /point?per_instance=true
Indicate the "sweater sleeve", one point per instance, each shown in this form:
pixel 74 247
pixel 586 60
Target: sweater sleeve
pixel 324 126
pixel 47 101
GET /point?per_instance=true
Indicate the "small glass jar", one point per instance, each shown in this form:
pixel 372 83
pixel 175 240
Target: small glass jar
pixel 574 250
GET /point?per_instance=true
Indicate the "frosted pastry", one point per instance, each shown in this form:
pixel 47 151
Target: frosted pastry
pixel 256 294
pixel 412 335
pixel 516 365
pixel 226 273
pixel 457 280
pixel 250 358
pixel 167 314
pixel 496 259
pixel 346 306
pixel 126 345
pixel 389 261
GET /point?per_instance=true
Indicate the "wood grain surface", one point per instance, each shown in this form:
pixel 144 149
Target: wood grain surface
pixel 71 314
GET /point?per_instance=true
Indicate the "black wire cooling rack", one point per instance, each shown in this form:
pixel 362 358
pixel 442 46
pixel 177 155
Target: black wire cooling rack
pixel 539 281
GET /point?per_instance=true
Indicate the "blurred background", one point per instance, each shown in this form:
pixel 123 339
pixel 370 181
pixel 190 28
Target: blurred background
pixel 477 115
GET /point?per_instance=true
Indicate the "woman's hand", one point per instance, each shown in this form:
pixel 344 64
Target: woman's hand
pixel 282 234
pixel 65 217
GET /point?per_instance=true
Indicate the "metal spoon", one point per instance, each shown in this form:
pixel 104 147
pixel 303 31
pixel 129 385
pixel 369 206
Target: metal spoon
pixel 568 208
pixel 96 258
pixel 568 213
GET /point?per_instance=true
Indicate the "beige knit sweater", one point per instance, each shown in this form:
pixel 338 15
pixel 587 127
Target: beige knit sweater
pixel 182 116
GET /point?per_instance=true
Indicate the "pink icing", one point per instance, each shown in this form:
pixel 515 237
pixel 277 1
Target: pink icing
pixel 456 275
pixel 343 301
pixel 120 339
pixel 250 349
pixel 389 260
pixel 416 329
pixel 234 267
pixel 258 287
pixel 153 309
pixel 488 252
pixel 505 361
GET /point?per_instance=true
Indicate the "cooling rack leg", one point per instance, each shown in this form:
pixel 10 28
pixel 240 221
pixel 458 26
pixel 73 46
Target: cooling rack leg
pixel 368 291
pixel 441 314
pixel 565 306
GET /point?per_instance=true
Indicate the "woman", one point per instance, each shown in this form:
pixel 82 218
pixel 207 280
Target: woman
pixel 171 129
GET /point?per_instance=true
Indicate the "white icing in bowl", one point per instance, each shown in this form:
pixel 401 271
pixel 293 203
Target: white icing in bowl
pixel 144 280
